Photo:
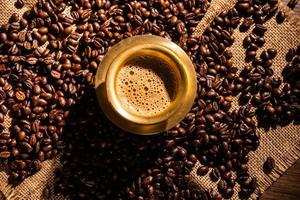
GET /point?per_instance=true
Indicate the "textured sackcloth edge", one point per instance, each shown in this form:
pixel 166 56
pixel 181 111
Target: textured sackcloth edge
pixel 273 142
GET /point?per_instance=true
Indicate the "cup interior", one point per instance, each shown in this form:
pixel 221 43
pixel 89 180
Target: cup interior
pixel 147 84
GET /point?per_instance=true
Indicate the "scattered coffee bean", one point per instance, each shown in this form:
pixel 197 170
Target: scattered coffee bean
pixel 272 53
pixel 292 4
pixel 260 29
pixel 290 54
pixel 260 41
pixel 246 24
pixel 228 193
pixel 202 170
pixel 215 174
pixel 19 4
pixel 222 186
pixel 269 165
pixel 250 55
pixel 280 17
pixel 20 96
pixel 4 154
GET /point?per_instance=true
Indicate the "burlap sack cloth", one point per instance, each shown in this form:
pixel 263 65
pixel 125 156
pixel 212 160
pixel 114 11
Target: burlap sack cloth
pixel 282 143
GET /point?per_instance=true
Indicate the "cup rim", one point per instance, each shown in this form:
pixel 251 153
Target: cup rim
pixel 111 86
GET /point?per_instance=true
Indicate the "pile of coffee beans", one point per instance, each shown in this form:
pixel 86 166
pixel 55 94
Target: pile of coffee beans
pixel 48 59
pixel 223 138
pixel 111 164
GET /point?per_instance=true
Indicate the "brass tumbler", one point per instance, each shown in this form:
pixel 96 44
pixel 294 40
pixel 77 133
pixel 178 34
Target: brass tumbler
pixel 165 60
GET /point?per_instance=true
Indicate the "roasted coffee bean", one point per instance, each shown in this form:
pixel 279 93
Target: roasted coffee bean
pixel 20 95
pixel 253 47
pixel 228 193
pixel 14 18
pixel 217 196
pixel 290 55
pixel 280 17
pixel 272 53
pixel 250 55
pixel 264 55
pixel 19 4
pixel 298 50
pixel 246 183
pixel 26 146
pixel 5 154
pixel 269 165
pixel 260 41
pixel 215 174
pixel 246 24
pixel 15 152
pixel 260 30
pixel 292 4
pixel 2 117
pixel 222 186
pixel 202 170
pixel 243 5
pixel 21 135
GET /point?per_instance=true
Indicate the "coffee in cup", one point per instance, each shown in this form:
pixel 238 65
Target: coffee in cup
pixel 146 85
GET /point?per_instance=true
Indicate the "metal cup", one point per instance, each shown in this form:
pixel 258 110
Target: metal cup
pixel 122 53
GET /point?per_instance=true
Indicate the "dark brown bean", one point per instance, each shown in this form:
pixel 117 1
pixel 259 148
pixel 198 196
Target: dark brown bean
pixel 222 186
pixel 20 95
pixel 260 29
pixel 269 164
pixel 215 174
pixel 250 55
pixel 202 170
pixel 19 4
pixel 5 154
pixel 26 146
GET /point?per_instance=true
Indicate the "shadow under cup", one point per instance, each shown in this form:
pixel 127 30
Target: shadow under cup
pixel 146 84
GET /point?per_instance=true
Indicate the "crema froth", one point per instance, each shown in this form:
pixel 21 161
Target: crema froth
pixel 146 85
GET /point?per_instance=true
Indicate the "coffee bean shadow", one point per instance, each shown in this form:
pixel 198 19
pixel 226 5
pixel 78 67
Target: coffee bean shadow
pixel 107 157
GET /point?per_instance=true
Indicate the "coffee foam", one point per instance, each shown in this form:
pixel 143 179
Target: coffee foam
pixel 146 85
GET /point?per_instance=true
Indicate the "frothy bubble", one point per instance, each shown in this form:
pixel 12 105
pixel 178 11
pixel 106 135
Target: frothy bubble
pixel 146 86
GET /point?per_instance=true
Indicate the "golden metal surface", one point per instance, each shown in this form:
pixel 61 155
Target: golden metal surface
pixel 115 59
